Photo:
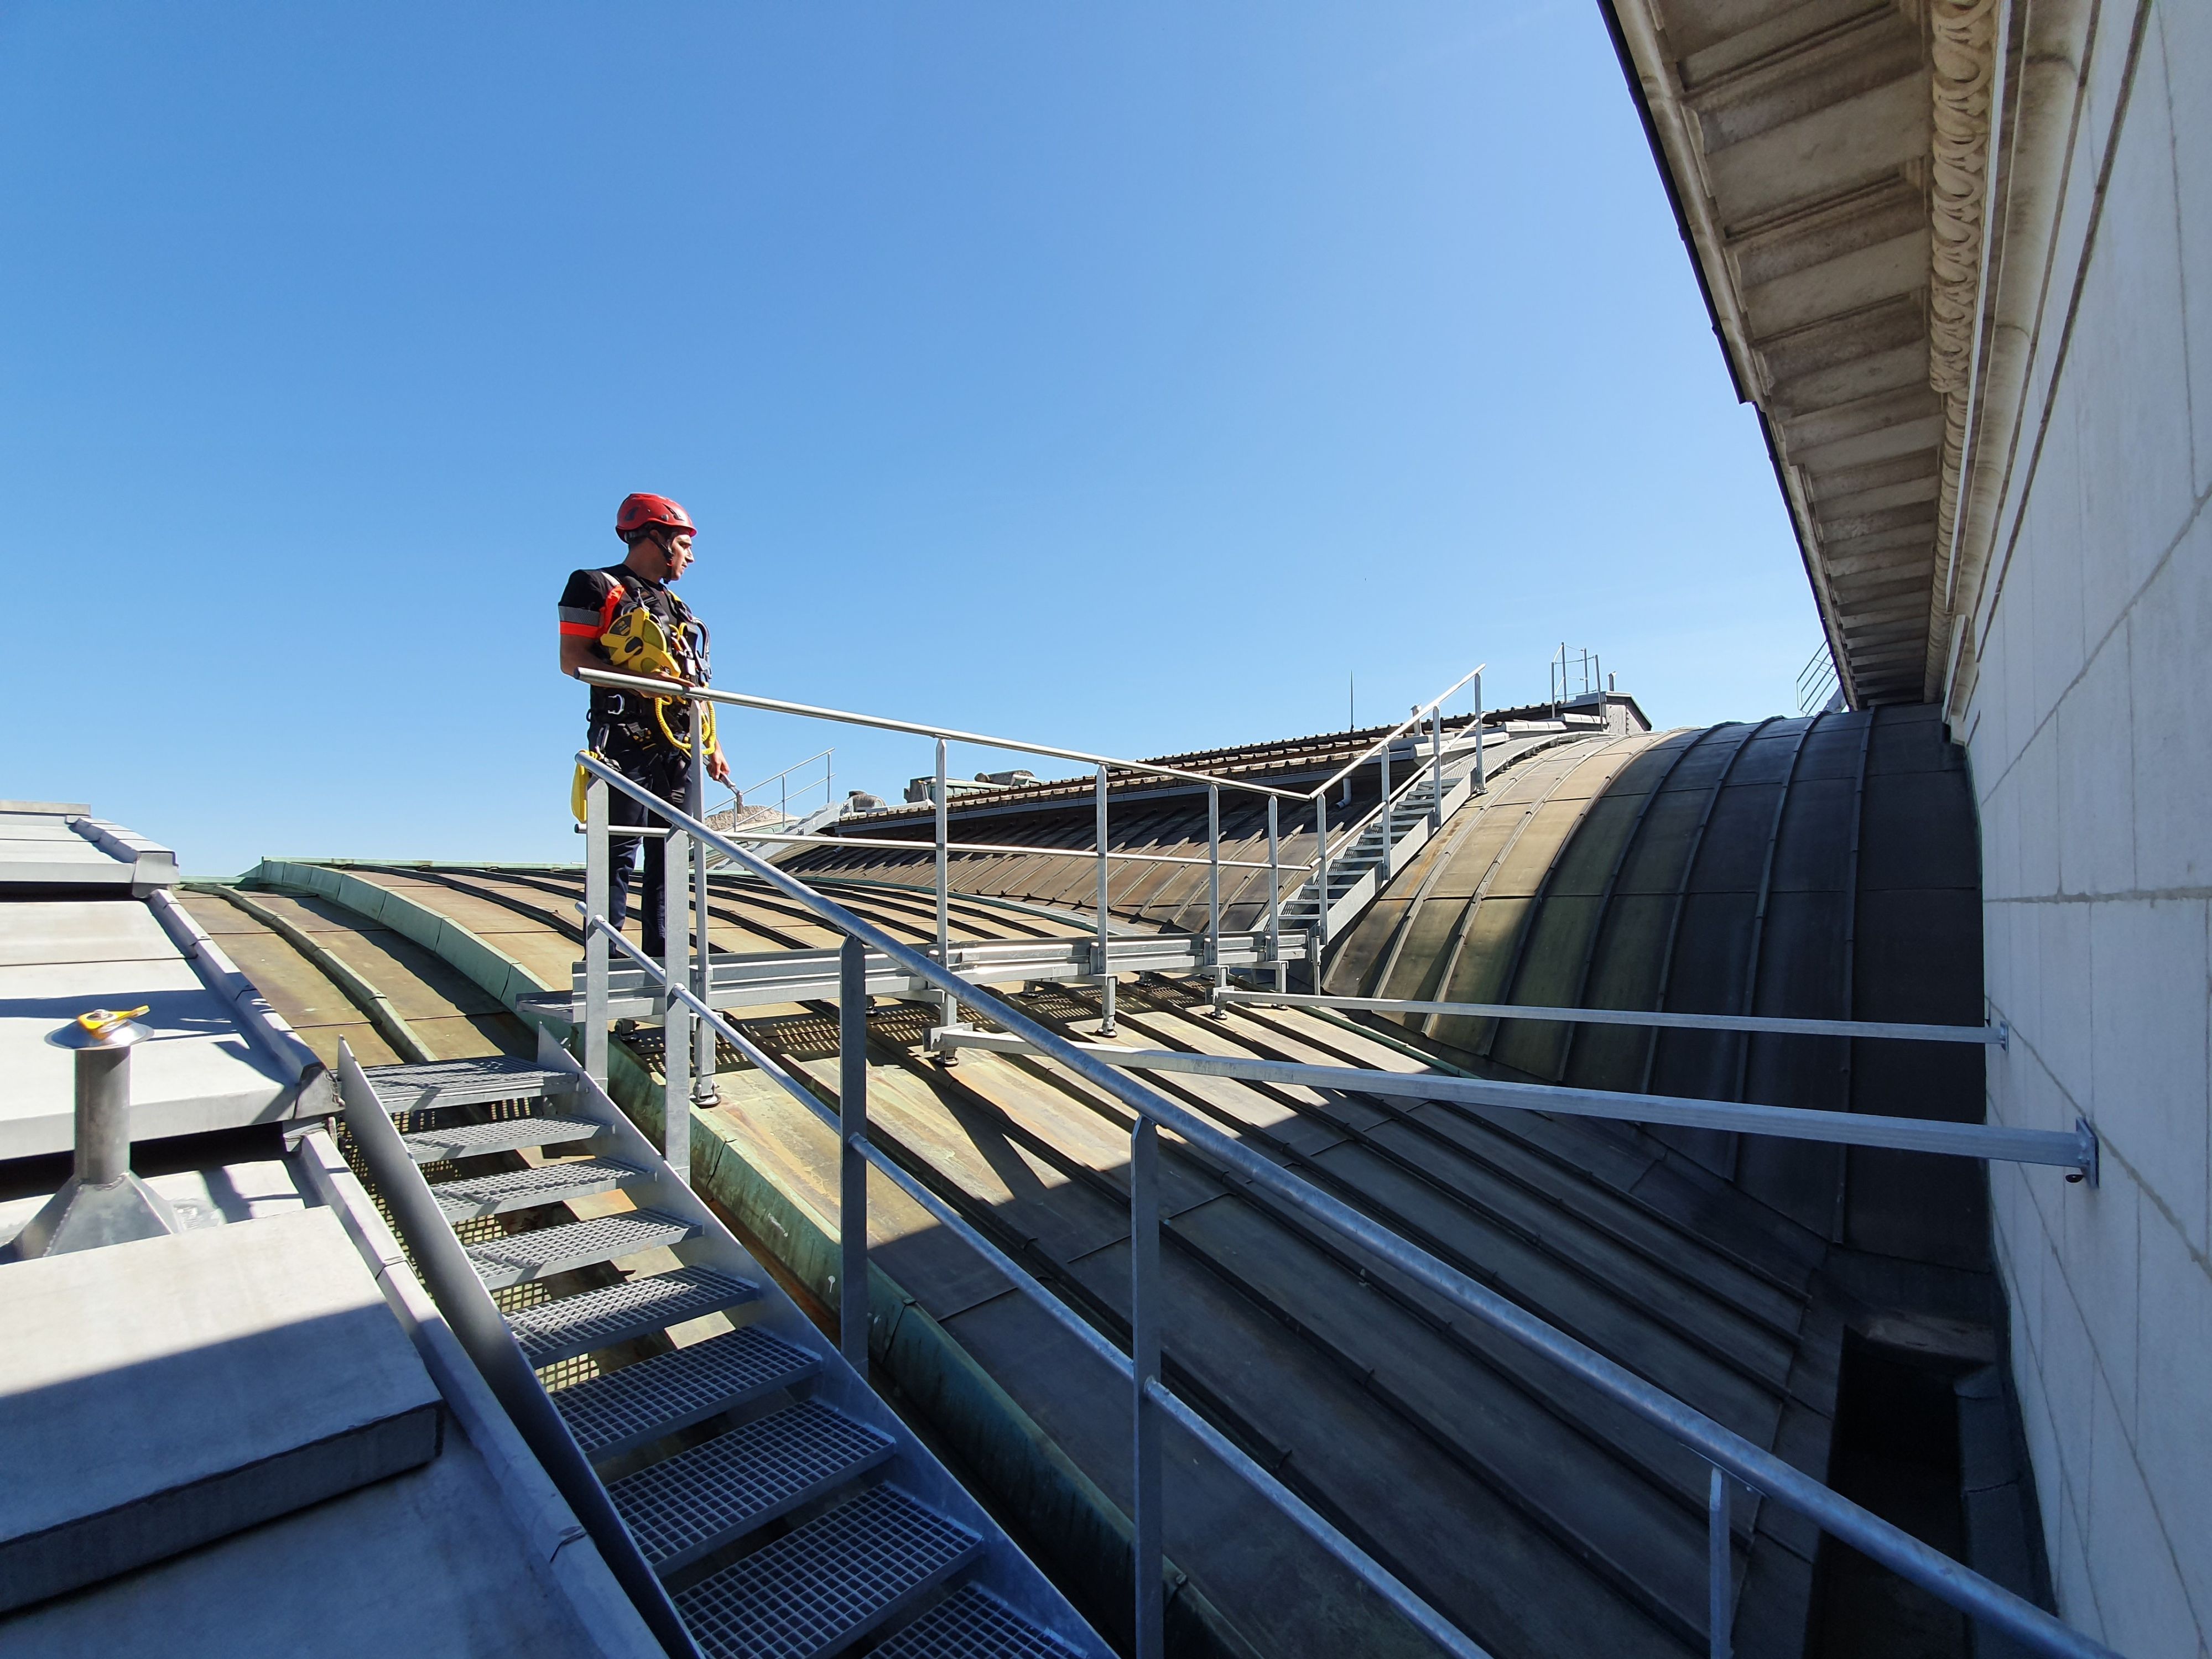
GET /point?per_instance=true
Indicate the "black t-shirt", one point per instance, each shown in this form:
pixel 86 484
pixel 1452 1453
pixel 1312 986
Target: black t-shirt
pixel 589 605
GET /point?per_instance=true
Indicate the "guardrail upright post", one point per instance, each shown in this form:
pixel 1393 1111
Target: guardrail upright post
pixel 595 942
pixel 676 1023
pixel 1320 874
pixel 1720 1613
pixel 1106 1027
pixel 1275 898
pixel 1482 783
pixel 853 1158
pixel 1436 767
pixel 1389 817
pixel 1213 890
pixel 703 1091
pixel 1145 1366
pixel 949 1004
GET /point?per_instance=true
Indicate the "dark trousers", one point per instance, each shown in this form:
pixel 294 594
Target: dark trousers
pixel 668 776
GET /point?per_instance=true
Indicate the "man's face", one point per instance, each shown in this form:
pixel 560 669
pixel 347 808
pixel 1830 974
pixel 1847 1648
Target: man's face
pixel 675 550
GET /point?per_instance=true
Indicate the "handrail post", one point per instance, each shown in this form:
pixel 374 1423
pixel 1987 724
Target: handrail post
pixel 1390 815
pixel 948 1004
pixel 1720 1613
pixel 1106 1027
pixel 1145 1366
pixel 1321 862
pixel 853 1159
pixel 596 886
pixel 1275 898
pixel 1482 783
pixel 1214 892
pixel 1436 767
pixel 676 1021
pixel 703 1091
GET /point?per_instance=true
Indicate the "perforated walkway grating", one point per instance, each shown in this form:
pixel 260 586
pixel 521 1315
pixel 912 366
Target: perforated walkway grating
pixel 473 1081
pixel 507 1135
pixel 517 1258
pixel 615 1313
pixel 671 1391
pixel 684 1506
pixel 828 1584
pixel 523 1190
pixel 970 1624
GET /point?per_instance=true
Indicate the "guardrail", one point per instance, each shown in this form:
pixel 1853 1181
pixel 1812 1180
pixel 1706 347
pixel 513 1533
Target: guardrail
pixel 1729 1456
pixel 1214 783
pixel 1775 1024
pixel 1817 683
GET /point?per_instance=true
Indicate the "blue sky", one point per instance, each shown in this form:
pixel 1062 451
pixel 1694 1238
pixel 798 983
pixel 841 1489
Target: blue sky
pixel 1121 377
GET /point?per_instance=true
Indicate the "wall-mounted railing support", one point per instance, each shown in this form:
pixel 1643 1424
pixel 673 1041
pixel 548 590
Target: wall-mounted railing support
pixel 853 1154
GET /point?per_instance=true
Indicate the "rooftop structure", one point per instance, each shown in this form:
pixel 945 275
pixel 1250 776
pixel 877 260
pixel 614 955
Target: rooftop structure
pixel 1519 1184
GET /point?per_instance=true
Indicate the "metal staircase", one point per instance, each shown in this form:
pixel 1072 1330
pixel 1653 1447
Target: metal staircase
pixel 1363 858
pixel 766 1503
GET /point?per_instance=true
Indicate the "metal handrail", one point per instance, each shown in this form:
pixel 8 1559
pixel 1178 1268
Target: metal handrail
pixel 1729 1454
pixel 819 754
pixel 1395 732
pixel 1777 1024
pixel 1368 1571
pixel 943 733
pixel 1818 680
pixel 888 844
pixel 2075 1149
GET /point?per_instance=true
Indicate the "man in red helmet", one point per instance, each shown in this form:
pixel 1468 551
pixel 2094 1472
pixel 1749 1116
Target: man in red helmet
pixel 646 743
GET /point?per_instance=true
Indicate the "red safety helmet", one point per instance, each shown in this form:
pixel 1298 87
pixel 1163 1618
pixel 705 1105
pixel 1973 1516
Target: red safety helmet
pixel 639 512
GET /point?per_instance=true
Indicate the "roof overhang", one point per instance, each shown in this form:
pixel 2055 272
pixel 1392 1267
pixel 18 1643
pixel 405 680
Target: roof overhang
pixel 1828 162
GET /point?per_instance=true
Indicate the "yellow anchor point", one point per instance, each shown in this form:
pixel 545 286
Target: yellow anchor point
pixel 98 1021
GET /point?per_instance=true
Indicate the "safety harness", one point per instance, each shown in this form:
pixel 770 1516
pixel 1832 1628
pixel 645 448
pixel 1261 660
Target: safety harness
pixel 636 643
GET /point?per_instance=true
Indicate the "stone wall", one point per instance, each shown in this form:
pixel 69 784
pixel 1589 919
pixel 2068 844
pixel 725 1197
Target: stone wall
pixel 2089 730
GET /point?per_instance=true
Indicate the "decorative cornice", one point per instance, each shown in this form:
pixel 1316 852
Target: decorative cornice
pixel 1962 41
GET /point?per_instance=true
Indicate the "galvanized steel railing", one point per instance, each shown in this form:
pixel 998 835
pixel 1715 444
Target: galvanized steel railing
pixel 1730 1455
pixel 1377 752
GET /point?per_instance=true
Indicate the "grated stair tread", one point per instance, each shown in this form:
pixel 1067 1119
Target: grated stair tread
pixel 476 1081
pixel 620 1409
pixel 559 1330
pixel 686 1506
pixel 820 1590
pixel 518 1258
pixel 522 1189
pixel 971 1624
pixel 509 1136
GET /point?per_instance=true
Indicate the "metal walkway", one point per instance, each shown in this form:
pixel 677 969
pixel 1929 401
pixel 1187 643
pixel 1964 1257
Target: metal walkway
pixel 752 1492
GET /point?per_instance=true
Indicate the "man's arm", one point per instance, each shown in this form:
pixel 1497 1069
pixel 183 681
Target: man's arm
pixel 579 651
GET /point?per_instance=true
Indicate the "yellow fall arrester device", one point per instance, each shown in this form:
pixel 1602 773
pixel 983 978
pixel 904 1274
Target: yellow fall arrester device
pixel 638 645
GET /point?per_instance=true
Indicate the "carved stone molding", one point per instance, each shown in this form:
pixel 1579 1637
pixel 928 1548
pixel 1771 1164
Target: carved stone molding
pixel 1962 45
